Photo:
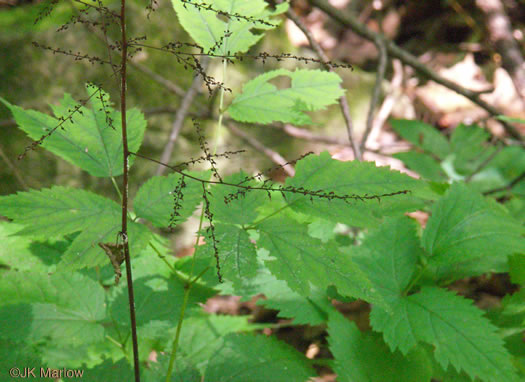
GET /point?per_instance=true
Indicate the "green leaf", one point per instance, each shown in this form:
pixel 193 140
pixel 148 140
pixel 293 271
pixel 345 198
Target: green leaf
pixel 157 298
pixel 15 251
pixel 203 335
pixel 239 210
pixel 517 268
pixel 155 199
pixel 312 310
pixel 65 308
pixel 56 211
pixel 321 172
pixel 363 357
pixel 423 136
pixel 88 138
pixel 509 164
pixel 238 260
pixel 467 236
pixel 16 354
pixel 262 102
pixel 456 329
pixel 183 370
pixel 231 36
pixel 257 358
pixel 85 251
pixel 424 164
pixel 59 211
pixel 109 371
pixel 468 143
pixel 388 255
pixel 302 261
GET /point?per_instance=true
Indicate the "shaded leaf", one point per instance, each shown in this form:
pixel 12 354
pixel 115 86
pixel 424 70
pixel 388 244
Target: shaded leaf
pixel 155 199
pixel 301 261
pixel 460 335
pixel 467 236
pixel 364 357
pixel 240 209
pixel 91 139
pixel 65 308
pixel 257 358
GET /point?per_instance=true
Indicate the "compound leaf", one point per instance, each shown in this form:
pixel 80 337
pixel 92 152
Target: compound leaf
pixel 456 329
pixel 157 298
pixel 364 357
pixel 65 308
pixel 357 179
pixel 241 209
pixel 467 236
pixel 301 260
pixel 388 255
pixel 237 256
pixel 233 35
pixel 88 138
pixel 262 102
pixel 155 199
pixel 56 211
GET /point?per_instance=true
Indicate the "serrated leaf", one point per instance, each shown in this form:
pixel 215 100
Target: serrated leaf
pixel 301 261
pixel 157 298
pixel 203 335
pixel 59 211
pixel 65 308
pixel 257 358
pixel 262 102
pixel 56 211
pixel 467 236
pixel 424 164
pixel 460 335
pixel 237 256
pixel 422 135
pixel 312 310
pixel 155 199
pixel 88 140
pixel 240 209
pixel 233 35
pixel 183 370
pixel 85 251
pixel 388 255
pixel 322 173
pixel 363 357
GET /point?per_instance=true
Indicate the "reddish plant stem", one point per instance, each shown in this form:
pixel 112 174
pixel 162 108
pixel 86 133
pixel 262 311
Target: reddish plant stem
pixel 124 231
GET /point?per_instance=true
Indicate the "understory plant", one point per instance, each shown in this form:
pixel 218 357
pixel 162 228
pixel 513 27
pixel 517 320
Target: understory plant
pixel 88 281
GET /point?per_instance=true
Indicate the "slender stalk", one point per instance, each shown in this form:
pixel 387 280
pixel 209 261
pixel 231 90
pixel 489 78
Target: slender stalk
pixel 114 182
pixel 124 230
pixel 187 290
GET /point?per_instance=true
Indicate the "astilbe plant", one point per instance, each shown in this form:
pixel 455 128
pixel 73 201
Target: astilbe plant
pixel 261 237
